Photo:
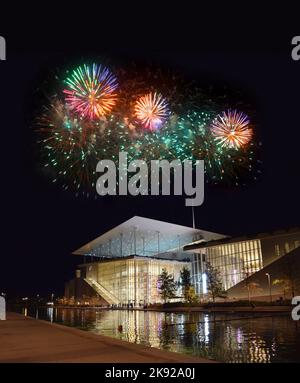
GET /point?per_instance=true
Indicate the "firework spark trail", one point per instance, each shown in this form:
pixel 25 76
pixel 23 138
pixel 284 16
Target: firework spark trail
pixel 152 110
pixel 232 129
pixel 72 147
pixel 91 91
pixel 76 135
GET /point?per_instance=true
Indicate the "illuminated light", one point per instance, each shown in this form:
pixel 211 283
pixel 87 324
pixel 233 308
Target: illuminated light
pixel 235 280
pixel 231 129
pixel 204 283
pixel 206 328
pixel 151 110
pixel 91 91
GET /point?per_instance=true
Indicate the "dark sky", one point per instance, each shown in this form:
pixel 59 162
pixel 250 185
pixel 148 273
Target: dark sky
pixel 41 225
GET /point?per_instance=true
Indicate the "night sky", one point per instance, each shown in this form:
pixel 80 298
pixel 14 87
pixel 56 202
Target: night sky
pixel 42 225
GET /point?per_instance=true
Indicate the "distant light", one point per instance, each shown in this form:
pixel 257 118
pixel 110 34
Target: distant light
pixel 204 283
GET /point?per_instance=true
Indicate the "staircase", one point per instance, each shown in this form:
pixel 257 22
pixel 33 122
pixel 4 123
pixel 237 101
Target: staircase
pixel 102 291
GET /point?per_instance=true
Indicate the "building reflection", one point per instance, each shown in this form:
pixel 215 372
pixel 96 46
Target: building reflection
pixel 223 337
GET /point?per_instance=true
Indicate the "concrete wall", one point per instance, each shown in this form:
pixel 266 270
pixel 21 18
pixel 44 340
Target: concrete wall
pixel 77 290
pixel 282 240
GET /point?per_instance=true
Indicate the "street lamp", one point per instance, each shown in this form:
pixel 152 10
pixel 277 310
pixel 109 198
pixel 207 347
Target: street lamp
pixel 269 281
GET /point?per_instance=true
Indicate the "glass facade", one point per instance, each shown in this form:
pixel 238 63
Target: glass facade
pixel 131 280
pixel 234 261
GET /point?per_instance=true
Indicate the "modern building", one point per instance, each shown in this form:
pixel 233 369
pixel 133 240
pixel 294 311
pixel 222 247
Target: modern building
pixel 121 267
pixel 238 258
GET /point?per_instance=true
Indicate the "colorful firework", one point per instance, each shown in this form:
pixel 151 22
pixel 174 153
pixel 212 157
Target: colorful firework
pixel 72 147
pixel 231 129
pixel 91 90
pixel 151 110
pixel 189 137
pixel 78 132
pixel 136 82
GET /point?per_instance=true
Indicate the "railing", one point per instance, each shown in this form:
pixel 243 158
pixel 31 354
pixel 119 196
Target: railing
pixel 101 290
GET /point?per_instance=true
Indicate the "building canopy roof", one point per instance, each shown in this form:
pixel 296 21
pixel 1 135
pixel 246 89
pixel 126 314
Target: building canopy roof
pixel 197 246
pixel 144 236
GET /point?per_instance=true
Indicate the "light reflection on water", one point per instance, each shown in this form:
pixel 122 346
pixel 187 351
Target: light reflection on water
pixel 223 337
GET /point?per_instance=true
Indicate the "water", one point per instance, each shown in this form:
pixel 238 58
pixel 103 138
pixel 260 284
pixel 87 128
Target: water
pixel 223 337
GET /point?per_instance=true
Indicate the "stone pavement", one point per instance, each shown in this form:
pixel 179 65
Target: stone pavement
pixel 24 340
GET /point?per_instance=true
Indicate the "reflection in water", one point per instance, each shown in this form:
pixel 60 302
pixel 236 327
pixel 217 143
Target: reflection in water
pixel 223 337
pixel 49 314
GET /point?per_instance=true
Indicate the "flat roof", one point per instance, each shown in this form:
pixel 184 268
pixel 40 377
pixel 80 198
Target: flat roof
pixel 144 236
pixel 225 240
pixel 139 257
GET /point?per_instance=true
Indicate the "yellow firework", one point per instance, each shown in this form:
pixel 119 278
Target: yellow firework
pixel 231 129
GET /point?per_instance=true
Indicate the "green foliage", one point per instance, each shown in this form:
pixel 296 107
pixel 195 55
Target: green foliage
pixel 185 283
pixel 167 286
pixel 190 295
pixel 185 277
pixel 285 284
pixel 214 283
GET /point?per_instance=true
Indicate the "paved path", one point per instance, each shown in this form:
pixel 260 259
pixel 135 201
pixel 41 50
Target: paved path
pixel 25 339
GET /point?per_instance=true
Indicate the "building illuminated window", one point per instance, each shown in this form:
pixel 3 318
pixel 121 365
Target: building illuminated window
pixel 131 280
pixel 235 261
pixel 287 247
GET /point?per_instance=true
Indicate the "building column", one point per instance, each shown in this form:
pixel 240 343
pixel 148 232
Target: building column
pixel 121 244
pixel 158 244
pixel 135 283
pixel 134 240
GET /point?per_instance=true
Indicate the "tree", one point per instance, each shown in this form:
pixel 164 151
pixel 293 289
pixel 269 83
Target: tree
pixel 254 287
pixel 185 283
pixel 166 285
pixel 214 283
pixel 190 295
pixel 285 284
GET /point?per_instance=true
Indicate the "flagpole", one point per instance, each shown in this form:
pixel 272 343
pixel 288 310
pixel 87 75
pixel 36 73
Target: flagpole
pixel 193 215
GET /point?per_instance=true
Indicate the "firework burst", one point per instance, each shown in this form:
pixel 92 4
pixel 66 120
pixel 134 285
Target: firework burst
pixel 89 125
pixel 231 129
pixel 72 147
pixel 90 91
pixel 151 110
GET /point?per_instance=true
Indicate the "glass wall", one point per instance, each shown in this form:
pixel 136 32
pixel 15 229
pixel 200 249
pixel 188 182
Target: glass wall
pixel 234 261
pixel 133 280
